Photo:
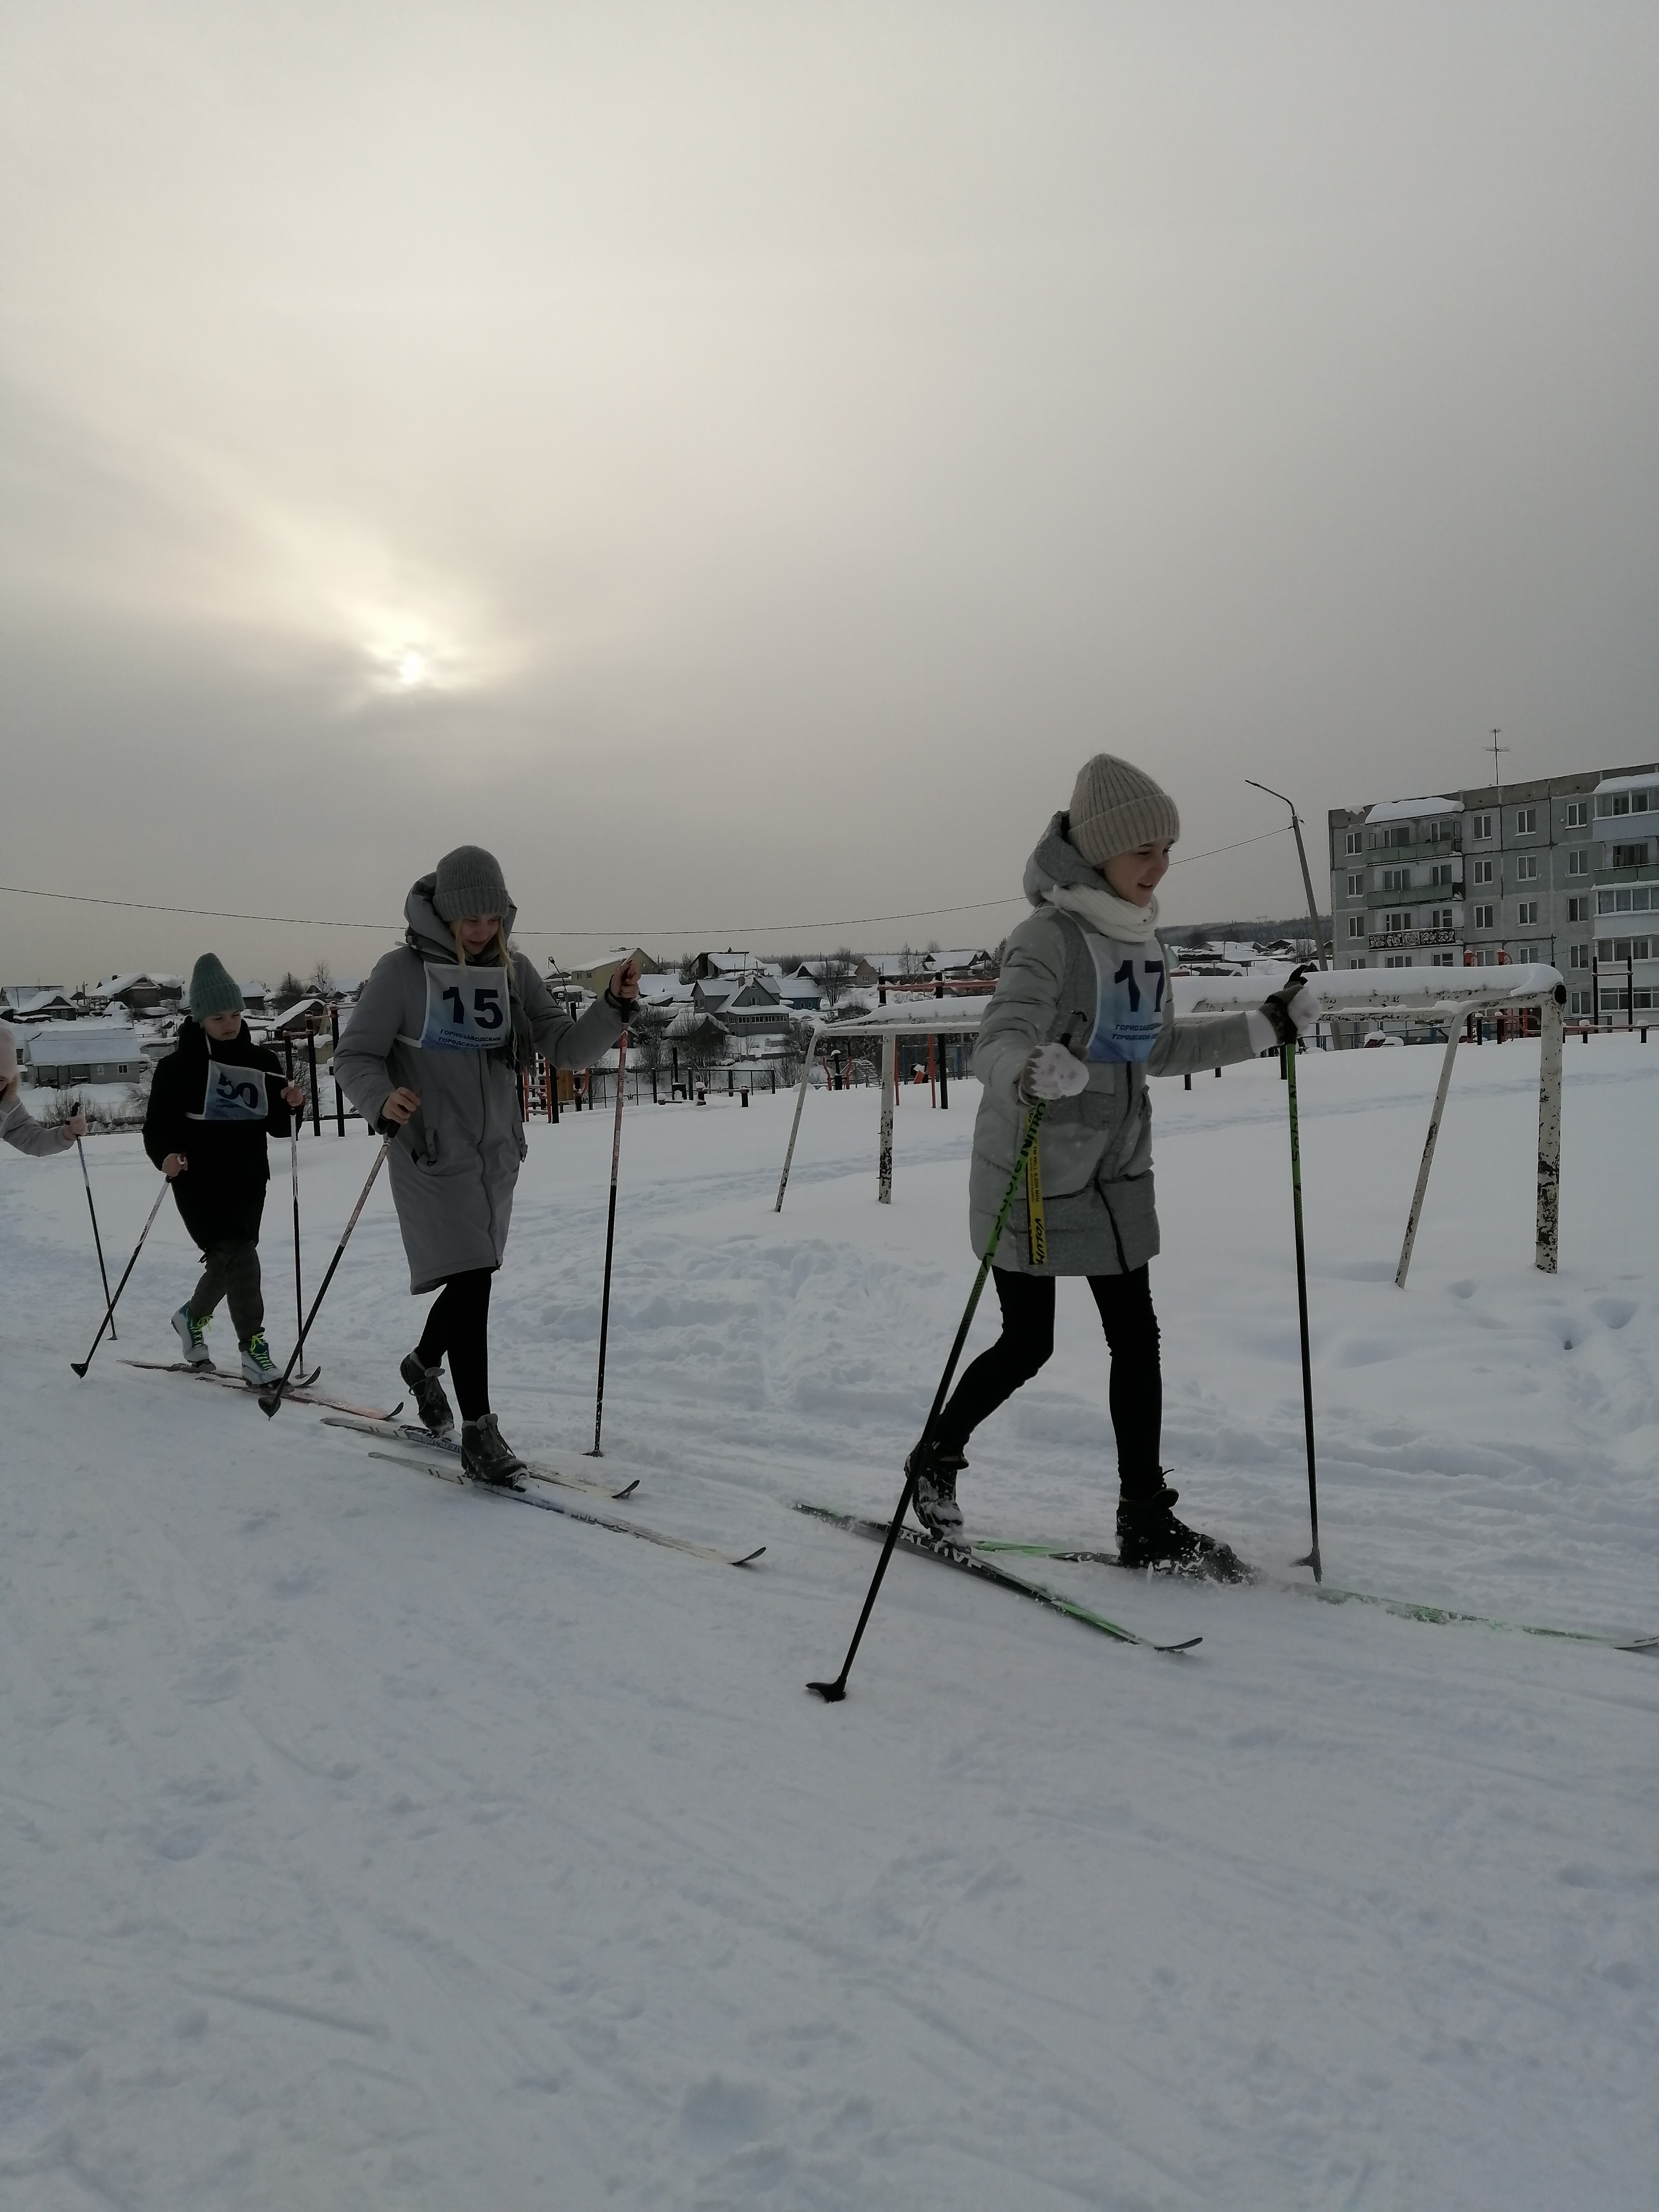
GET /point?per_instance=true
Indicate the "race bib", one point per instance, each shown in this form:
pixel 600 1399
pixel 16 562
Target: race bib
pixel 1129 1011
pixel 467 1009
pixel 234 1094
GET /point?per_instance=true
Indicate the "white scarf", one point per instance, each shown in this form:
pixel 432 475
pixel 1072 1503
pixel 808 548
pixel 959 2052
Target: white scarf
pixel 1104 910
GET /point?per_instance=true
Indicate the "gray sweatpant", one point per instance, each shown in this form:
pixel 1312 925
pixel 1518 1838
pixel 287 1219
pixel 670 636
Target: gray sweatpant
pixel 232 1271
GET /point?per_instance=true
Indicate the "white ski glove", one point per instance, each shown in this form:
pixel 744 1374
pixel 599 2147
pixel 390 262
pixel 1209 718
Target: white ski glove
pixel 1052 1071
pixel 1280 1019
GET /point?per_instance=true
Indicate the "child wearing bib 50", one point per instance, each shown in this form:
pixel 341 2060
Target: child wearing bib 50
pixel 1082 1014
pixel 212 1105
pixel 431 1057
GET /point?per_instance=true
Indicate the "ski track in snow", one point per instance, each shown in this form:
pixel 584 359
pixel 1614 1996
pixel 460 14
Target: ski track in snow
pixel 361 1843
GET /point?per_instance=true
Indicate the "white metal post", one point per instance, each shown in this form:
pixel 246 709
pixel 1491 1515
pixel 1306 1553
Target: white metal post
pixel 888 1086
pixel 1421 1191
pixel 800 1100
pixel 1549 1136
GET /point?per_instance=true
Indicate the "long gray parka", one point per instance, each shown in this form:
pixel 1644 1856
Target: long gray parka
pixel 1095 1151
pixel 455 1162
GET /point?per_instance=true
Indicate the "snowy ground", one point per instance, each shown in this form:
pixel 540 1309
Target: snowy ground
pixel 366 1843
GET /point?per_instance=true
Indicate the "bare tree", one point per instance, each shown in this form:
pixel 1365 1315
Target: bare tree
pixel 321 985
pixel 835 972
pixel 289 990
pixel 795 1044
pixel 646 1045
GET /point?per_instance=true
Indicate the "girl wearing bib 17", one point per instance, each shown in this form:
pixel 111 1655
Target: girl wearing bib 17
pixel 1081 1017
pixel 431 1058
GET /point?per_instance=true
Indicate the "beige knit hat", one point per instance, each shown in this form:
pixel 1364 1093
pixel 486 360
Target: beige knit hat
pixel 1116 806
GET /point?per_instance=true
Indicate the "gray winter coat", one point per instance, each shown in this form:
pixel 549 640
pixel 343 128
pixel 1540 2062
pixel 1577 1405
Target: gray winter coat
pixel 1095 1151
pixel 455 1162
pixel 19 1128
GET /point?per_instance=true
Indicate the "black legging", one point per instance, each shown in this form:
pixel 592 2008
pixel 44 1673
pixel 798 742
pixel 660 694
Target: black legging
pixel 459 1324
pixel 1136 1390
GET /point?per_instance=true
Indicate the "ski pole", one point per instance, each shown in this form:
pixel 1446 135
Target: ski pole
pixel 269 1400
pixel 293 1164
pixel 610 1242
pixel 81 1366
pixel 109 1302
pixel 1288 1053
pixel 833 1692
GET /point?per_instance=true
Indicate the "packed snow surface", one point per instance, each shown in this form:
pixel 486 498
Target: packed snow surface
pixel 367 1842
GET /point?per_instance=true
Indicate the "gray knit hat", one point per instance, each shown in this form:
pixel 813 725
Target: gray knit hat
pixel 1116 806
pixel 470 882
pixel 213 990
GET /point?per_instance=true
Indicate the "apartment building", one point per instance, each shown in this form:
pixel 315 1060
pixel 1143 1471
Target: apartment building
pixel 1564 869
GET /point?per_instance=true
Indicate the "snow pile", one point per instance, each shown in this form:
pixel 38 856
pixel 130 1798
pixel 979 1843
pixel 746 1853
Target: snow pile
pixel 370 1842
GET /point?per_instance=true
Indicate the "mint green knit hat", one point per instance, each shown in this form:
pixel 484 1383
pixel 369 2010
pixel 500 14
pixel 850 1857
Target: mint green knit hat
pixel 213 989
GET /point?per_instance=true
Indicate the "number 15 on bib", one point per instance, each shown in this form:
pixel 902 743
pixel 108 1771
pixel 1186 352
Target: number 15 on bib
pixel 467 1009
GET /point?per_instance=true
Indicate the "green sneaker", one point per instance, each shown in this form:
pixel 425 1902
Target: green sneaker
pixel 258 1365
pixel 192 1335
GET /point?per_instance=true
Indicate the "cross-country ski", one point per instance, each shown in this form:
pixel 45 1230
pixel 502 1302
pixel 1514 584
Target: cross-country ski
pixel 971 1559
pixel 422 1440
pixel 456 1472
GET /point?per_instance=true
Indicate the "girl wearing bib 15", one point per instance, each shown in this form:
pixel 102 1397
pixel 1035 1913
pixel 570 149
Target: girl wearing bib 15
pixel 1081 1017
pixel 431 1057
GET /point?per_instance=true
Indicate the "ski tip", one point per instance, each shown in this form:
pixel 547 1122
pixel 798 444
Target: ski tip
pixel 750 1558
pixel 831 1693
pixel 626 1490
pixel 1187 1645
pixel 80 1366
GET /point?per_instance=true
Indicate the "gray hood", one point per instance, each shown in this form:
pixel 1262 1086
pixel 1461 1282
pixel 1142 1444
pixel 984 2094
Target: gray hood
pixel 429 933
pixel 1057 862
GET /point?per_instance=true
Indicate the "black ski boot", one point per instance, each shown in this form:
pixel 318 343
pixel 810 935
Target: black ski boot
pixel 936 1467
pixel 488 1457
pixel 437 1415
pixel 1149 1535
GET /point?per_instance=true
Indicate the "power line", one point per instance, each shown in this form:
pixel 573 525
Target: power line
pixel 703 929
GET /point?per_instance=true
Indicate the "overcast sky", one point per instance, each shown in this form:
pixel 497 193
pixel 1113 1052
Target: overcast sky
pixel 737 462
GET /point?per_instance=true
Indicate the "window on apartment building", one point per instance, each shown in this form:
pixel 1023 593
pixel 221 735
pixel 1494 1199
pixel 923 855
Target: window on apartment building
pixel 1526 868
pixel 1355 843
pixel 1621 802
pixel 1528 952
pixel 1526 913
pixel 1483 917
pixel 1482 871
pixel 1579 861
pixel 1441 873
pixel 1482 830
pixel 1578 814
pixel 1356 924
pixel 1441 918
pixel 1526 821
pixel 1398 960
pixel 1621 949
pixel 1396 879
pixel 1444 960
pixel 1353 962
pixel 1630 856
pixel 1357 886
pixel 1578 956
pixel 1391 922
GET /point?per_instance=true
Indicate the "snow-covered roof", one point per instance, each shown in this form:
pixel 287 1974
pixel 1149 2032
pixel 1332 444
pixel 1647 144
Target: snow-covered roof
pixel 1403 810
pixel 1644 779
pixel 56 1044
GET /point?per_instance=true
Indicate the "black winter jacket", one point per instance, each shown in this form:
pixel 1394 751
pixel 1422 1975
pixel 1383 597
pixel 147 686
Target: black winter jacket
pixel 221 1194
